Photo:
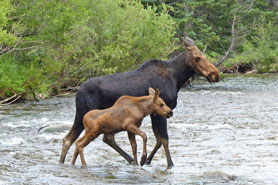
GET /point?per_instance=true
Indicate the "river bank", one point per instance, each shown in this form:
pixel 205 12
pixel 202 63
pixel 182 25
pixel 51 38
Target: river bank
pixel 32 96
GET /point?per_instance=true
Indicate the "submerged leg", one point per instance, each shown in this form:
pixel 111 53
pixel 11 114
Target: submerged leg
pixel 84 103
pixel 110 140
pixel 75 155
pixel 76 151
pixel 80 144
pixel 160 130
pixel 73 134
pixel 157 145
pixel 135 130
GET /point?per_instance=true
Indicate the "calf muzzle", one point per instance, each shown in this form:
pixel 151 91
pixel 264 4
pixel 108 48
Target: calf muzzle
pixel 169 114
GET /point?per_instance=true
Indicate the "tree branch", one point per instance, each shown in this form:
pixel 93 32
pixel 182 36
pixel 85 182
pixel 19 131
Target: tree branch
pixel 223 58
pixel 11 99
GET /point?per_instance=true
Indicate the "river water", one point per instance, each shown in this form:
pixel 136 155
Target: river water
pixel 230 126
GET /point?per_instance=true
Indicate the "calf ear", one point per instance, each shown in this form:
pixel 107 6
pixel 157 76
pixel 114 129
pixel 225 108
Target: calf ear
pixel 156 94
pixel 151 91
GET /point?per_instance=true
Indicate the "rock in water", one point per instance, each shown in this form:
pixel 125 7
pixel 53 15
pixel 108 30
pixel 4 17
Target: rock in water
pixel 217 176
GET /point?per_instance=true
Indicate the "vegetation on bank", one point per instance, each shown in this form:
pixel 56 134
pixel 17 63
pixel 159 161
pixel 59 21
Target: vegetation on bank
pixel 49 46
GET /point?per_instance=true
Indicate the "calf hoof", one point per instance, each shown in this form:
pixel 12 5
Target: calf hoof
pixel 143 160
pixel 84 166
pixel 134 163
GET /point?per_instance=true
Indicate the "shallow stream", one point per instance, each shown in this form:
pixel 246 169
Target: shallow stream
pixel 230 126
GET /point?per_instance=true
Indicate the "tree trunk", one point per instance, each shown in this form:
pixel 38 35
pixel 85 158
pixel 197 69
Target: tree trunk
pixel 223 58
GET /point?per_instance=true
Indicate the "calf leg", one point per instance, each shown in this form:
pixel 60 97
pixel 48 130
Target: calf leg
pixel 135 130
pixel 160 130
pixel 110 140
pixel 80 144
pixel 133 143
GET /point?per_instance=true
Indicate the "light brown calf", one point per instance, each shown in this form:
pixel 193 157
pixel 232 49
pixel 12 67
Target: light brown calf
pixel 125 115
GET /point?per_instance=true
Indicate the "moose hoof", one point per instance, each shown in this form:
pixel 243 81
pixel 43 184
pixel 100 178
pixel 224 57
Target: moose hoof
pixel 148 162
pixel 143 160
pixel 131 161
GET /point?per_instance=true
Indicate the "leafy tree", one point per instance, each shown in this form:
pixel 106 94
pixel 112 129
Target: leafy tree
pixel 63 43
pixel 7 39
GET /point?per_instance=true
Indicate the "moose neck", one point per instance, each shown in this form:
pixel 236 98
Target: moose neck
pixel 181 70
pixel 145 105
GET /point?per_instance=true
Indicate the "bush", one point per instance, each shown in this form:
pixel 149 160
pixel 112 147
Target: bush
pixel 12 77
pixel 116 37
pixel 16 78
pixel 261 49
pixel 63 43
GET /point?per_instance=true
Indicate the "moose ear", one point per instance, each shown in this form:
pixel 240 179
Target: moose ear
pixel 151 91
pixel 188 42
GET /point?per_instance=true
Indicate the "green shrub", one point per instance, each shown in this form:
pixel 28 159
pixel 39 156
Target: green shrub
pixel 262 49
pixel 116 37
pixel 63 43
pixel 16 77
pixel 12 77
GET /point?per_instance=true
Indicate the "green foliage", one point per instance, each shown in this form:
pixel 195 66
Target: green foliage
pixel 207 22
pixel 12 77
pixel 262 48
pixel 118 36
pixel 6 38
pixel 47 45
pixel 63 43
pixel 16 77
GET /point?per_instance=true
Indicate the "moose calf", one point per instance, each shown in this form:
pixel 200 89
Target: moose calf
pixel 126 114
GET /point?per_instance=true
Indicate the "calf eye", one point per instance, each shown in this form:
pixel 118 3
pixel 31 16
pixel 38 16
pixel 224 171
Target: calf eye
pixel 197 59
pixel 161 105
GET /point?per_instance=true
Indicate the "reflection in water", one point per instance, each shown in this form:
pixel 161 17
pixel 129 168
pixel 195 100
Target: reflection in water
pixel 230 126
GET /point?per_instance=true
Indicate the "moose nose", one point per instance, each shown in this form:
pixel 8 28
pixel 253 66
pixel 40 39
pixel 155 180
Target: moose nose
pixel 214 77
pixel 170 114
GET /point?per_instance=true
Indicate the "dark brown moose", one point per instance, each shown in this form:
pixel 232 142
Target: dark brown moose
pixel 126 114
pixel 168 76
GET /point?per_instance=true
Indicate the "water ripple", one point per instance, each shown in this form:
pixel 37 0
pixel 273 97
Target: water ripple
pixel 230 126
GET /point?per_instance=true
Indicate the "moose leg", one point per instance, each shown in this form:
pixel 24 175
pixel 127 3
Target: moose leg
pixel 135 130
pixel 73 134
pixel 157 145
pixel 110 140
pixel 133 143
pixel 160 130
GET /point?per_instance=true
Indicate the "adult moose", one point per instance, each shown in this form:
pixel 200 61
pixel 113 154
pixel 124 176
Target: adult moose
pixel 168 76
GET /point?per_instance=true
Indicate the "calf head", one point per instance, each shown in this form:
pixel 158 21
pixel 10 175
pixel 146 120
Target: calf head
pixel 198 62
pixel 158 105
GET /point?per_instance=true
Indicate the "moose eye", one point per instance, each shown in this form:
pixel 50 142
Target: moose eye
pixel 161 105
pixel 197 59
